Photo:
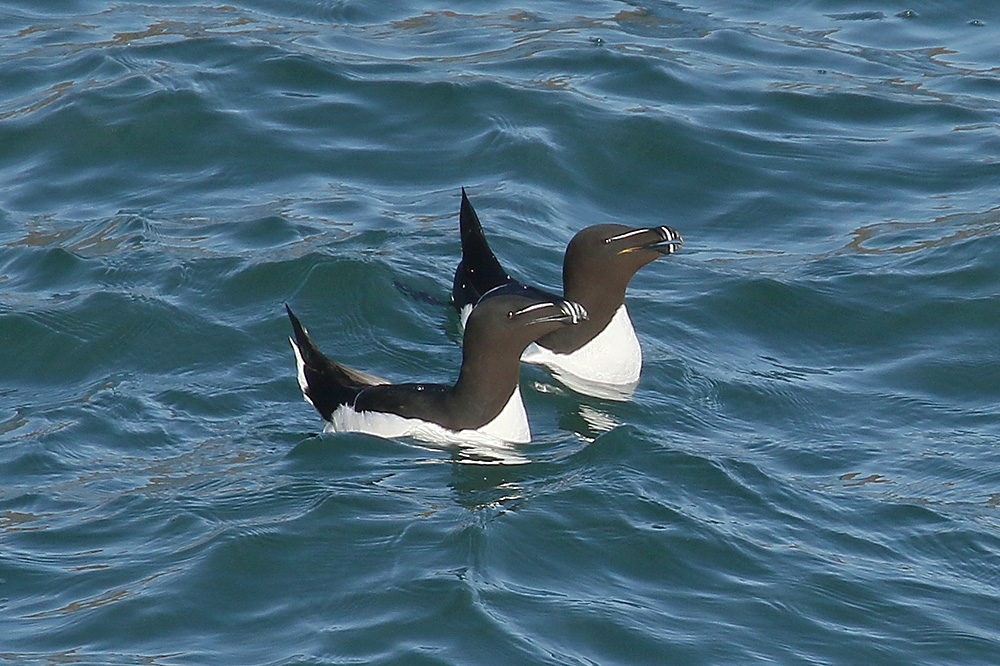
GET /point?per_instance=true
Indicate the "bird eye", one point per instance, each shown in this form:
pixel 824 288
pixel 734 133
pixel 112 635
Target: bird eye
pixel 510 315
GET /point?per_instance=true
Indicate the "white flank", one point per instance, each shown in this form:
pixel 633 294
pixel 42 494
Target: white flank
pixel 491 440
pixel 606 367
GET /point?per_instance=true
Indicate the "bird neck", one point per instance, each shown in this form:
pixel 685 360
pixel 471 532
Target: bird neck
pixel 485 383
pixel 601 299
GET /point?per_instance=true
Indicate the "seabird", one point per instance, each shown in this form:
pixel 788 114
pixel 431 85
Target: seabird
pixel 601 356
pixel 484 405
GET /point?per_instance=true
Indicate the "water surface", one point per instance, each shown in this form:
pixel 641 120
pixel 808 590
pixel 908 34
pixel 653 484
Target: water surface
pixel 808 472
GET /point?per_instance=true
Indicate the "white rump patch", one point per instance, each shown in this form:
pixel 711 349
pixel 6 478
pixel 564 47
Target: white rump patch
pixel 464 314
pixel 300 371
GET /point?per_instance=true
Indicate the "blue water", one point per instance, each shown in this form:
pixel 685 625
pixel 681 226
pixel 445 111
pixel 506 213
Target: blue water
pixel 809 472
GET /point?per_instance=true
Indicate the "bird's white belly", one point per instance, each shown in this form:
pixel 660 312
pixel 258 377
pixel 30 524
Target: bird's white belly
pixel 510 426
pixel 606 367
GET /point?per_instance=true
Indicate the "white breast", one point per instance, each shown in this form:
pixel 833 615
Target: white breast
pixel 606 367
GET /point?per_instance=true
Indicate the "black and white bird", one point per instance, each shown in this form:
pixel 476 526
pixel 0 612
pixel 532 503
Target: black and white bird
pixel 484 405
pixel 601 356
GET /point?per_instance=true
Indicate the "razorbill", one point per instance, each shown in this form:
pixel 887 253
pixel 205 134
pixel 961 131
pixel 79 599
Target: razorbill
pixel 602 356
pixel 483 406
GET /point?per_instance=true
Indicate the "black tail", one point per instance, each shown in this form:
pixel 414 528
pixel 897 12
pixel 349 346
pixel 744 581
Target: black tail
pixel 325 384
pixel 479 271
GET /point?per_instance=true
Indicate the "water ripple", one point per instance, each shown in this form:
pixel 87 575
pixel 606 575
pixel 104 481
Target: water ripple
pixel 805 474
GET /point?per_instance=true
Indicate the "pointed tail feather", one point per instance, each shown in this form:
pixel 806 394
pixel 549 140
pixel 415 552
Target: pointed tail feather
pixel 479 271
pixel 325 384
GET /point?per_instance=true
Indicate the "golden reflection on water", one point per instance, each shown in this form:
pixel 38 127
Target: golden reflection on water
pixel 51 94
pixel 163 28
pixel 852 479
pixel 102 599
pixel 897 237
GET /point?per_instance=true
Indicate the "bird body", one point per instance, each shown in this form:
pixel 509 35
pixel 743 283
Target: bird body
pixel 484 404
pixel 601 356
